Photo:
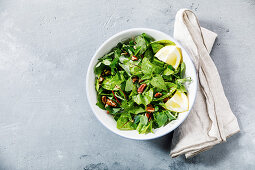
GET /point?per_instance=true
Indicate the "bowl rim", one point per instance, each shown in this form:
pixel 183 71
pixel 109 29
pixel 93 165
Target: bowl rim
pixel 91 67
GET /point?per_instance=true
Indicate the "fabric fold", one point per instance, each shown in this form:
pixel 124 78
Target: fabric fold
pixel 211 120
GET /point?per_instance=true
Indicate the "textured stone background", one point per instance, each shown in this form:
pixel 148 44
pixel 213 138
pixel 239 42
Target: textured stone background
pixel 45 48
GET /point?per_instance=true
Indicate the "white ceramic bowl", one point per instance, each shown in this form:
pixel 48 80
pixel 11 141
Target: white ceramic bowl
pixel 107 120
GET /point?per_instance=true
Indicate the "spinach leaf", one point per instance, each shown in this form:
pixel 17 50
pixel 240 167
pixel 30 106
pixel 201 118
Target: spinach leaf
pixel 143 122
pixel 125 122
pixel 157 45
pixel 170 115
pixel 148 68
pixel 158 81
pixel 168 72
pixel 136 110
pixel 126 68
pixel 97 84
pixel 129 84
pixel 109 56
pixel 100 103
pixel 160 118
pixel 146 129
pixel 149 54
pixel 140 43
pixel 99 68
pixel 113 82
pixel 164 42
pixel 115 61
pixel 144 98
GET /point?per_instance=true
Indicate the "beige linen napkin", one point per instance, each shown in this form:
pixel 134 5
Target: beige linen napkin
pixel 211 120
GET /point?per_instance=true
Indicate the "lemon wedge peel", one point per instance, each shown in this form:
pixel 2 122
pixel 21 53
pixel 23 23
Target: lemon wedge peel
pixel 178 103
pixel 171 55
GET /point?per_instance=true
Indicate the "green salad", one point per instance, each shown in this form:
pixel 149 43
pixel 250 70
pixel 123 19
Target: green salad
pixel 141 83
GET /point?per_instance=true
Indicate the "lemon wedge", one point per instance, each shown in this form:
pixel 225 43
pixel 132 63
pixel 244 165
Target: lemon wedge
pixel 170 54
pixel 178 103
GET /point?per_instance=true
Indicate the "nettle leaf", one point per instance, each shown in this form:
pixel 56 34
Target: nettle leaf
pixel 158 82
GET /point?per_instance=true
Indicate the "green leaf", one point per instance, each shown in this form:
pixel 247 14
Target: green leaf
pixel 140 43
pixel 125 122
pixel 97 84
pixel 156 47
pixel 129 84
pixel 111 82
pixel 143 122
pixel 107 62
pixel 164 42
pixel 184 80
pixel 160 118
pixel 123 59
pixel 168 72
pixel 148 96
pixel 171 85
pixel 112 110
pixel 126 68
pixel 146 77
pixel 135 70
pixel 170 115
pixel 137 51
pixel 100 103
pixel 149 68
pixel 144 98
pixel 183 69
pixel 147 38
pixel 99 68
pixel 158 82
pixel 115 61
pixel 149 54
pixel 109 56
pixel 138 99
pixel 136 110
pixel 146 129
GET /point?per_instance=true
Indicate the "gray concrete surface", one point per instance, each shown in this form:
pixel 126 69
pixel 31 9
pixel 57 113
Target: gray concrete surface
pixel 45 48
